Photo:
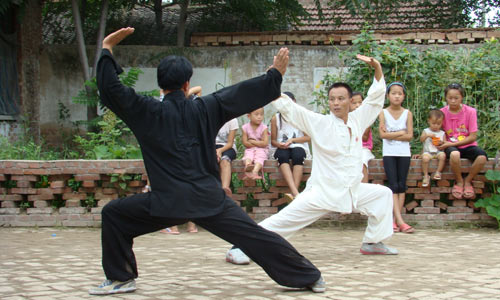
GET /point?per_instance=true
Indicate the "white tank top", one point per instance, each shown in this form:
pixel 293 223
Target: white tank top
pixel 394 147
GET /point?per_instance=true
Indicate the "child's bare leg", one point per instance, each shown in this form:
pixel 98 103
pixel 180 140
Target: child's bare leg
pixel 298 171
pixel 365 174
pixel 476 167
pixel 441 161
pixel 399 200
pixel 248 162
pixel 425 164
pixel 225 173
pixel 257 168
pixel 398 219
pixel 456 167
pixel 289 178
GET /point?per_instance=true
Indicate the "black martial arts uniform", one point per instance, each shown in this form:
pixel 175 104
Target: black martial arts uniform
pixel 177 142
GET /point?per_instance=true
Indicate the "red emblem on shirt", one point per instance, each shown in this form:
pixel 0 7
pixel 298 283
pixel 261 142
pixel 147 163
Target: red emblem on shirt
pixel 356 139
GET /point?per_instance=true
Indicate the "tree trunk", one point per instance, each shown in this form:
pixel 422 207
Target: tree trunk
pixel 158 9
pixel 92 110
pixel 181 26
pixel 84 61
pixel 30 49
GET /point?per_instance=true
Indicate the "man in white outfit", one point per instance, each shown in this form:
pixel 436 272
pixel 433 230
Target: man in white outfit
pixel 337 170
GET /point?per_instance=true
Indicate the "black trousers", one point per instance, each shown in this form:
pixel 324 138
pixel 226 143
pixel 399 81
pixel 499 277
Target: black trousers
pixel 126 218
pixel 396 169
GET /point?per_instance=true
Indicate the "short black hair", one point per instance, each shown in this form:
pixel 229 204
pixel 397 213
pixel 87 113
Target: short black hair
pixel 436 113
pixel 339 85
pixel 455 86
pixel 357 94
pixel 173 71
pixel 289 94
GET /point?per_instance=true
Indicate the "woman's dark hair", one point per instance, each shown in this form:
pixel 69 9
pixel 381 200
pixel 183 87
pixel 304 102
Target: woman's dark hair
pixel 455 86
pixel 173 71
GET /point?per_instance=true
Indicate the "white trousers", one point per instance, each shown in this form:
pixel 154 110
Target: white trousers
pixel 374 201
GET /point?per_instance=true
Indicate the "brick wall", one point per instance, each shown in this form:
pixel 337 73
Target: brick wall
pixel 313 38
pixel 75 192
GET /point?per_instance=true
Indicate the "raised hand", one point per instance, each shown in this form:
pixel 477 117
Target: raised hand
pixel 280 61
pixel 373 63
pixel 116 37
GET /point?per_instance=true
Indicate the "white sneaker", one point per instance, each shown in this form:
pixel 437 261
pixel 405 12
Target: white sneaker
pixel 319 286
pixel 108 287
pixel 237 257
pixel 377 248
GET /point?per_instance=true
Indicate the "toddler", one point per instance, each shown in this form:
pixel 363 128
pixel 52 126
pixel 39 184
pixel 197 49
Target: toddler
pixel 432 137
pixel 256 139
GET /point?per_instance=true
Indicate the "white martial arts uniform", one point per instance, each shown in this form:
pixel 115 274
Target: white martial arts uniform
pixel 337 170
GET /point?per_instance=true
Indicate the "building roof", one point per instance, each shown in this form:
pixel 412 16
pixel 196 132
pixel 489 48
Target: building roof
pixel 408 16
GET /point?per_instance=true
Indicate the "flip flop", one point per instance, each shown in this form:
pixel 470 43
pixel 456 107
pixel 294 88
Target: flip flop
pixel 228 191
pixel 406 228
pixel 288 196
pixel 395 227
pixel 457 191
pixel 169 231
pixel 437 176
pixel 425 181
pixel 469 192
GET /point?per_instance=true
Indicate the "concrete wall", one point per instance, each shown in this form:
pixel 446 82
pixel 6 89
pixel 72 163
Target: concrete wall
pixel 214 67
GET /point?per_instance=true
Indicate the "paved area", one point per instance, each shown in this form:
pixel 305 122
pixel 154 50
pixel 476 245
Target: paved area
pixel 55 263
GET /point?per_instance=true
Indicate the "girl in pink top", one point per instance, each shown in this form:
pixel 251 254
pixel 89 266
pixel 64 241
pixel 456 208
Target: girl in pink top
pixel 356 100
pixel 256 139
pixel 460 126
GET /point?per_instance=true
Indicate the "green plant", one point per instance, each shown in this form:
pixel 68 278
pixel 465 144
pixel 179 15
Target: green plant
pixel 10 184
pixel 426 73
pixel 25 148
pixel 492 203
pixel 112 138
pixel 24 205
pixel 121 180
pixel 43 182
pixel 74 185
pixel 90 201
pixel 58 201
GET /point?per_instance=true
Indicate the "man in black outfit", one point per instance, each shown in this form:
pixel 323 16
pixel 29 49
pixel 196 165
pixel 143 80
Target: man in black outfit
pixel 177 142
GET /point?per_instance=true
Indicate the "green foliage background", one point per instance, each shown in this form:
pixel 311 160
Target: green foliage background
pixel 426 74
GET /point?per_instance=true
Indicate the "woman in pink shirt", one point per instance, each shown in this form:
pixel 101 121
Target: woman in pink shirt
pixel 460 126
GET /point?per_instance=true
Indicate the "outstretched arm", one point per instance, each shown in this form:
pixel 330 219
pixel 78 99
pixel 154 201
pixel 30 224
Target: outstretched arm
pixel 122 100
pixel 248 95
pixel 374 101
